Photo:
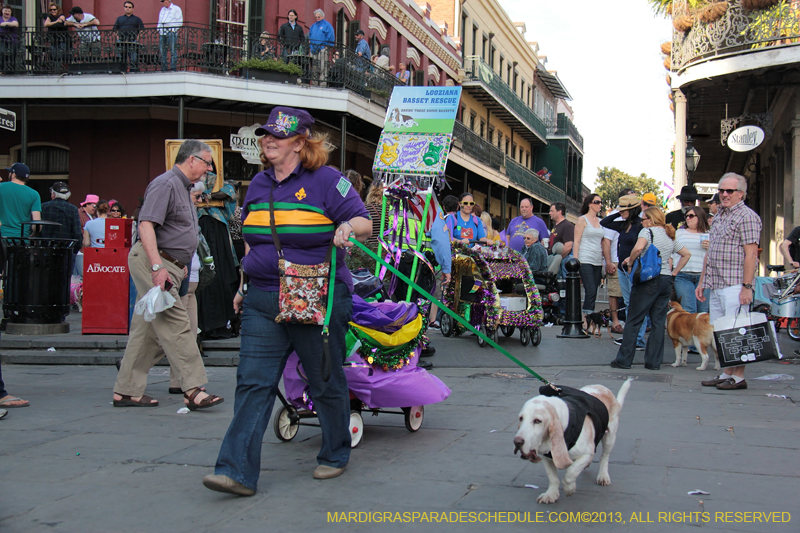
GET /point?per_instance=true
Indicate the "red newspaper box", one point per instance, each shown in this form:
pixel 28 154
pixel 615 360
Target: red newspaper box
pixel 106 282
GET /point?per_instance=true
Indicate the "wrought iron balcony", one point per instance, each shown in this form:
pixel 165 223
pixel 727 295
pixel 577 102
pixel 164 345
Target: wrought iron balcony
pixel 737 30
pixel 475 146
pixel 488 88
pixel 566 128
pixel 527 179
pixel 196 49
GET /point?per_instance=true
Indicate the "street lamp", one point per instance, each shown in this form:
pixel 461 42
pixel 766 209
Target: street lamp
pixel 692 157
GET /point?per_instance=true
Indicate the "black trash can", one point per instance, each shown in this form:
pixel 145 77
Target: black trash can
pixel 37 279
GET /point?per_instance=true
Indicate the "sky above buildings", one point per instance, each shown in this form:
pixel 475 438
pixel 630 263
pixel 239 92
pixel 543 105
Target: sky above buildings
pixel 608 57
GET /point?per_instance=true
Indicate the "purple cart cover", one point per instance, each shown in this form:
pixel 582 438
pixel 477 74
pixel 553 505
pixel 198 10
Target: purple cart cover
pixel 387 317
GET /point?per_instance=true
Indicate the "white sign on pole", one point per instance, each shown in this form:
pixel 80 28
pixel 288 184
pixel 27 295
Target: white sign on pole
pixel 745 138
pixel 246 143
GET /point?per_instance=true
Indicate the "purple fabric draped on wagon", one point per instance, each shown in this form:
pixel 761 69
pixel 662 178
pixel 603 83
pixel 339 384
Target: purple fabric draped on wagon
pixel 375 387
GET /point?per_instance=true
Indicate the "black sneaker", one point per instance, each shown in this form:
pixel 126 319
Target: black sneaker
pixel 427 365
pixel 428 352
pixel 618 341
pixel 434 325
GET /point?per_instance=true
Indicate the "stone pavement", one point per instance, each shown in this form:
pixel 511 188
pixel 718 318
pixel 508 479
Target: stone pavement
pixel 73 463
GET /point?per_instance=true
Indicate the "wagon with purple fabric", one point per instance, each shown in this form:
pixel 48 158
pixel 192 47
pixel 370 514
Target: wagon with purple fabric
pixel 383 347
pixel 492 288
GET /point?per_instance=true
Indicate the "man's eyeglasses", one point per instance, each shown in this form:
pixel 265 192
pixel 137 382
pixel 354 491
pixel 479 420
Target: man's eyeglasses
pixel 690 216
pixel 208 163
pixel 727 191
pixel 467 203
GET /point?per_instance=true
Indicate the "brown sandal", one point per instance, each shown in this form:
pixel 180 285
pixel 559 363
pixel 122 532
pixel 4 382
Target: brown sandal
pixel 209 401
pixel 128 401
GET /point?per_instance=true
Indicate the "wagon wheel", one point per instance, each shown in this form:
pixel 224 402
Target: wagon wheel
pixel 482 342
pixel 536 336
pixel 356 428
pixel 507 330
pixel 447 325
pixel 793 329
pixel 525 336
pixel 414 416
pixel 285 430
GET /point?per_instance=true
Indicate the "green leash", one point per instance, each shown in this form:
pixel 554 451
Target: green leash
pixel 444 308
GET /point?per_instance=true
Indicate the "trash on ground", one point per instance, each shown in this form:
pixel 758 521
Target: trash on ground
pixel 51 349
pixel 697 492
pixel 183 410
pixel 495 431
pixel 776 377
pixel 531 487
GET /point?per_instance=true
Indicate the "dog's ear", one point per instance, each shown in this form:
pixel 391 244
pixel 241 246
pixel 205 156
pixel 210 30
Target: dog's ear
pixel 558 447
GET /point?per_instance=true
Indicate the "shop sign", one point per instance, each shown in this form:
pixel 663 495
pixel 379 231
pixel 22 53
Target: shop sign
pixel 745 138
pixel 246 143
pixel 8 120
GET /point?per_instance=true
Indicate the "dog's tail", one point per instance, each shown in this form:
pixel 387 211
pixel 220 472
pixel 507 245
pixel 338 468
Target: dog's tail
pixel 623 391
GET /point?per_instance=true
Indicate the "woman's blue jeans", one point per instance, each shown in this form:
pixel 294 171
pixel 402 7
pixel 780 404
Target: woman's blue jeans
pixel 685 284
pixel 265 346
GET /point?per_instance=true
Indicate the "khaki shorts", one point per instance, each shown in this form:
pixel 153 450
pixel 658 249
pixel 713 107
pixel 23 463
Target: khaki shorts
pixel 612 284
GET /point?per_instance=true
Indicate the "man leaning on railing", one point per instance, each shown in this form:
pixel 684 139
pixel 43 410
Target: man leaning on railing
pixel 170 19
pixel 86 25
pixel 128 26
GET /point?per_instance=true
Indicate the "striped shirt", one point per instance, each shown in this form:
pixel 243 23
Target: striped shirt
pixel 309 205
pixel 693 243
pixel 666 246
pixel 733 228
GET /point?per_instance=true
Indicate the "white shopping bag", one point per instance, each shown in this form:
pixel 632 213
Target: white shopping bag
pixel 153 302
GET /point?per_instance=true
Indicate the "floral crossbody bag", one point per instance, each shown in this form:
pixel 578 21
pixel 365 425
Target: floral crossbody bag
pixel 303 296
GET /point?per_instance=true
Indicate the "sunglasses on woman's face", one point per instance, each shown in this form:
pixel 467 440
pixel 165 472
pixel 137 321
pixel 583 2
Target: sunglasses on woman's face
pixel 645 218
pixel 597 202
pixel 116 211
pixel 690 216
pixel 467 203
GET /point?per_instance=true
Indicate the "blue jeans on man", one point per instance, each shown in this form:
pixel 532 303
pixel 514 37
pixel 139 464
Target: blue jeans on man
pixel 265 347
pixel 168 43
pixel 625 286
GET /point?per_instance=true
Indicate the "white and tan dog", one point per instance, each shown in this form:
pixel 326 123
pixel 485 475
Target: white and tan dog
pixel 541 430
pixel 685 329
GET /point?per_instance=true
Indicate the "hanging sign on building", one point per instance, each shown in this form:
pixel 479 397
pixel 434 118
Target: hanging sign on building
pixel 8 120
pixel 745 138
pixel 246 143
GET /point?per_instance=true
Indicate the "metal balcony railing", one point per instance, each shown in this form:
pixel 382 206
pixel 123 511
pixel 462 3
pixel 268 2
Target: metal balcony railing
pixel 737 30
pixel 189 49
pixel 478 70
pixel 529 180
pixel 475 146
pixel 565 127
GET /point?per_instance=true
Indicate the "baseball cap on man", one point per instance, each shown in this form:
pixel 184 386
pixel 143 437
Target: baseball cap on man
pixel 650 198
pixel 714 199
pixel 60 187
pixel 20 170
pixel 76 9
pixel 90 199
pixel 360 32
pixel 285 122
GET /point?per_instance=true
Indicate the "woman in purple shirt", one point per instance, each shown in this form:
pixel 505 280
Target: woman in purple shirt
pixel 9 40
pixel 312 204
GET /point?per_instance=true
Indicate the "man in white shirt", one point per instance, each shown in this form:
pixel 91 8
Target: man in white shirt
pixel 86 25
pixel 170 19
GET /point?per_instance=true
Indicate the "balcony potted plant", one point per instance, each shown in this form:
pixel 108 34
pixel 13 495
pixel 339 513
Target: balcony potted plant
pixel 268 70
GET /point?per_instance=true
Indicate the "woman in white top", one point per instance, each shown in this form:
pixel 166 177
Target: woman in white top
pixel 587 247
pixel 651 298
pixel 94 231
pixel 694 236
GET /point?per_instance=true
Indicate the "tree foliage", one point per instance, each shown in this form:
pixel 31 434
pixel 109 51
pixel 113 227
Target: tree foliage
pixel 610 181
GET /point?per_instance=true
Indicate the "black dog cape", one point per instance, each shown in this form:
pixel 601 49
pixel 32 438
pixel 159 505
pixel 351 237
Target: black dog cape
pixel 580 405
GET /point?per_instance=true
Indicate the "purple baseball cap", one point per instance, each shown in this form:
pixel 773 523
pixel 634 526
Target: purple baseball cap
pixel 285 122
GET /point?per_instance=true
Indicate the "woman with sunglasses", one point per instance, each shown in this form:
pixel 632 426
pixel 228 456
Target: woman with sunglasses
pixel 694 236
pixel 650 298
pixel 57 32
pixel 463 225
pixel 116 210
pixel 588 249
